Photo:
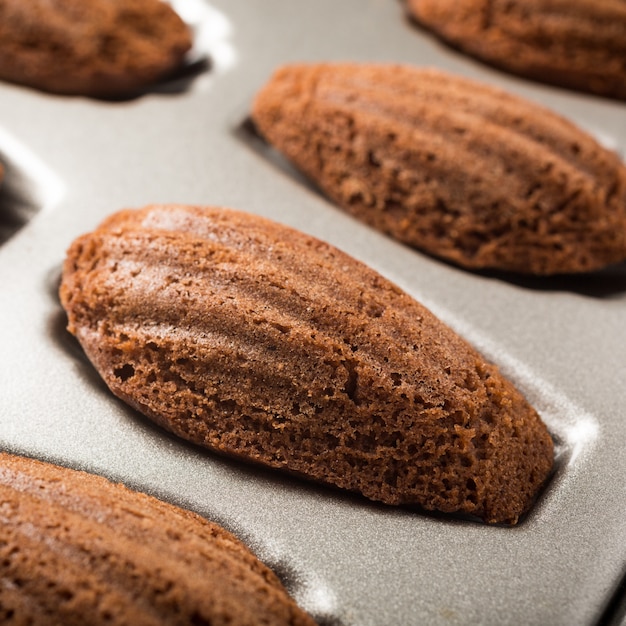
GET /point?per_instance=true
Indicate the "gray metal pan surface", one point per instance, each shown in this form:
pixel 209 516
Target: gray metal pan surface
pixel 71 161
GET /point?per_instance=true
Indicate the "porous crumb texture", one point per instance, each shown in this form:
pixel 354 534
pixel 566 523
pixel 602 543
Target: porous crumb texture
pixel 104 48
pixel 457 169
pixel 255 340
pixel 76 549
pixel 579 44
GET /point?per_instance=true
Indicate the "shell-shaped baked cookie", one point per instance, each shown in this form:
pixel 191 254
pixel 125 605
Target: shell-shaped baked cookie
pixel 255 340
pixel 461 170
pixel 100 48
pixel 77 549
pixel 580 44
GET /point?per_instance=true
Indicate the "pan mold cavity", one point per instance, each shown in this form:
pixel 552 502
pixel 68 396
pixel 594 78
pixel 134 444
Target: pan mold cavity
pixel 27 186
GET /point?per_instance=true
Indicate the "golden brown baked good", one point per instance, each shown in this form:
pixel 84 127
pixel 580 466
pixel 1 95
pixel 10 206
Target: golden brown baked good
pixel 258 341
pixel 461 170
pixel 580 44
pixel 76 549
pixel 103 48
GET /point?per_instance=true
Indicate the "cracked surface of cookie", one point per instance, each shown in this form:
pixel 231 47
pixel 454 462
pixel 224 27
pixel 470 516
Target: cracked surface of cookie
pixel 77 549
pixel 461 170
pixel 100 48
pixel 260 342
pixel 580 44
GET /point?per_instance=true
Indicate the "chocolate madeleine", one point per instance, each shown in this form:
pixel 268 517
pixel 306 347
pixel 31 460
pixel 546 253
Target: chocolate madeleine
pixel 77 549
pixel 258 341
pixel 460 170
pixel 102 48
pixel 579 44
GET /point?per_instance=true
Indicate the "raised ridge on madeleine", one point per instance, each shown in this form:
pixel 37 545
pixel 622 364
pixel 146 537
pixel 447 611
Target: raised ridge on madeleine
pixel 101 48
pixel 461 170
pixel 76 549
pixel 578 44
pixel 257 341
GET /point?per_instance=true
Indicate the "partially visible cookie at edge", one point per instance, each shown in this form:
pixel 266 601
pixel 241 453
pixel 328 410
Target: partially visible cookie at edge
pixel 578 44
pixel 99 48
pixel 78 549
pixel 456 168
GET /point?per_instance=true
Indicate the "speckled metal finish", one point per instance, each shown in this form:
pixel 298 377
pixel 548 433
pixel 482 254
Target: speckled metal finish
pixel 72 161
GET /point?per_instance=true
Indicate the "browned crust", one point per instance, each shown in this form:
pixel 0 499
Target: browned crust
pixel 76 549
pixel 90 47
pixel 461 170
pixel 578 44
pixel 258 341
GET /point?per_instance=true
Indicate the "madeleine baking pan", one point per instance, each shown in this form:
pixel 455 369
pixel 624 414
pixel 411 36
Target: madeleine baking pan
pixel 71 161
